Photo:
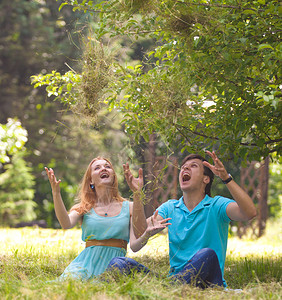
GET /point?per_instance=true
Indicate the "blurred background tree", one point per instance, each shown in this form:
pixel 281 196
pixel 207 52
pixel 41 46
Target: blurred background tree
pixel 17 192
pixel 16 179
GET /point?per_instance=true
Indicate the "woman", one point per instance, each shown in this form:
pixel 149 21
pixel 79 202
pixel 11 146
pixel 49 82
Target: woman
pixel 105 217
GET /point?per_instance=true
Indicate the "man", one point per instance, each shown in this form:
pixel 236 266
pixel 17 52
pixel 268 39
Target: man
pixel 198 231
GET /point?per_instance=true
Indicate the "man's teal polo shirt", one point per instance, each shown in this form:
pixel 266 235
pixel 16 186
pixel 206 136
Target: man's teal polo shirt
pixel 206 226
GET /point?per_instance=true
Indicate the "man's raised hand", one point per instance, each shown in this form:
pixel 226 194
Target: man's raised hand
pixel 218 168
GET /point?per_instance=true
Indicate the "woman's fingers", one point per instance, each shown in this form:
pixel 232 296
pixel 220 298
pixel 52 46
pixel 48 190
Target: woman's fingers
pixel 156 214
pixel 51 176
pixel 140 174
pixel 127 173
pixel 159 223
pixel 165 220
pixel 125 168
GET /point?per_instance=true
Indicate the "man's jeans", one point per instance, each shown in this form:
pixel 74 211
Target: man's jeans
pixel 202 270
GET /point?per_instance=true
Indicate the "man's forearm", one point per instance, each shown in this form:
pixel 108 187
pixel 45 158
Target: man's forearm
pixel 243 200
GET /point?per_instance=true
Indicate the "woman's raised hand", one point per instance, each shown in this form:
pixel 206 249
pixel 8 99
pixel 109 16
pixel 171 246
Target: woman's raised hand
pixel 55 184
pixel 155 224
pixel 135 184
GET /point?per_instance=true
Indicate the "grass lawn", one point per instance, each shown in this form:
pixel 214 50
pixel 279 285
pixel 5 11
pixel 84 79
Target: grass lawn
pixel 31 258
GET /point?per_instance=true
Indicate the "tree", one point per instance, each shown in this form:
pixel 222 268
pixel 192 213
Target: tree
pixel 12 139
pixel 274 192
pixel 17 191
pixel 212 80
pixel 16 180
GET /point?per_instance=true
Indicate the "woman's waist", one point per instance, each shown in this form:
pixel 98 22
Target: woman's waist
pixel 120 243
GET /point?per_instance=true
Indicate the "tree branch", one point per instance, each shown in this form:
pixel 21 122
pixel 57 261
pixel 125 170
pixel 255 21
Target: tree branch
pixel 210 5
pixel 217 139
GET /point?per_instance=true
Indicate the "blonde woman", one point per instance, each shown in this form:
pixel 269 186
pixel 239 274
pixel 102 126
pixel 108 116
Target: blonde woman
pixel 104 215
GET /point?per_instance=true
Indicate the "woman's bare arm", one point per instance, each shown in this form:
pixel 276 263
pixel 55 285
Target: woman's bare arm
pixel 66 220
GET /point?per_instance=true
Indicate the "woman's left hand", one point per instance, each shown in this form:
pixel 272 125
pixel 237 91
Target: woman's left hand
pixel 135 184
pixel 155 224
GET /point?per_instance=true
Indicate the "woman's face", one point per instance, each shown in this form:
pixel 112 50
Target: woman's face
pixel 102 173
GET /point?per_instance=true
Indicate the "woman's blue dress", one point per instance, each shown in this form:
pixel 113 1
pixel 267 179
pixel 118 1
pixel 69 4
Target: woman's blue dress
pixel 93 260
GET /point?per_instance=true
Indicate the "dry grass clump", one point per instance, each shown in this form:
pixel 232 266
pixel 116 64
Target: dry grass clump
pixel 183 22
pixel 135 6
pixel 97 72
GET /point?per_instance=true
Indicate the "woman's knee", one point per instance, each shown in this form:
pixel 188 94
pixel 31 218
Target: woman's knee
pixel 126 265
pixel 117 262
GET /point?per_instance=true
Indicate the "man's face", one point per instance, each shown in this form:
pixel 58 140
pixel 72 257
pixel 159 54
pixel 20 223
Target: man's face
pixel 191 176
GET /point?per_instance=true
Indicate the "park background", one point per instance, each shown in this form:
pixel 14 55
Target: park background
pixel 204 76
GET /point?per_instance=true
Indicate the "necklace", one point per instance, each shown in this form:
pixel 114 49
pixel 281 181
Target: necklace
pixel 103 211
pixel 106 212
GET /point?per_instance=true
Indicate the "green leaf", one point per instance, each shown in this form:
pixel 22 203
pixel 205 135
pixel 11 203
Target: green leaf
pixel 265 46
pixel 249 12
pixel 62 5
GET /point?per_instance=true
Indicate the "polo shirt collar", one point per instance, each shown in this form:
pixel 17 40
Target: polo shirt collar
pixel 180 204
pixel 205 202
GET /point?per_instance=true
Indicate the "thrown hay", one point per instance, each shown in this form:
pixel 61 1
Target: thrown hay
pixel 96 74
pixel 135 6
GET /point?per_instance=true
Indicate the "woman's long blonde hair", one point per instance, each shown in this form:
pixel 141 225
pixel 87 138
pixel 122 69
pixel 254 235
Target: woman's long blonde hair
pixel 87 196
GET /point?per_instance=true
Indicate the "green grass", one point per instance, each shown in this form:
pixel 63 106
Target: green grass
pixel 31 260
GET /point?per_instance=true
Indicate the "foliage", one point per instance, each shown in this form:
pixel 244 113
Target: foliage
pixel 12 139
pixel 16 180
pixel 274 191
pixel 83 92
pixel 213 78
pixel 16 194
pixel 59 85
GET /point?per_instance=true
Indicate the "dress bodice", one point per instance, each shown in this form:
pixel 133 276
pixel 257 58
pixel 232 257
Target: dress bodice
pixel 98 227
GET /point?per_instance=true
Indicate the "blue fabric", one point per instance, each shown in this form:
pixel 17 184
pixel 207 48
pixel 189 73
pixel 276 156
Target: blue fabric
pixel 126 266
pixel 95 227
pixel 202 270
pixel 93 261
pixel 204 227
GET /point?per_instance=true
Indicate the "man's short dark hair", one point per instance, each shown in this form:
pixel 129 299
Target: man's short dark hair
pixel 207 171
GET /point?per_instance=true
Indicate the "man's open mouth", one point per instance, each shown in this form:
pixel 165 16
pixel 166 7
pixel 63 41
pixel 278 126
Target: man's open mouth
pixel 186 177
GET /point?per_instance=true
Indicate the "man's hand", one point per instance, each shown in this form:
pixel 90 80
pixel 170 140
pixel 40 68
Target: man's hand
pixel 244 208
pixel 218 169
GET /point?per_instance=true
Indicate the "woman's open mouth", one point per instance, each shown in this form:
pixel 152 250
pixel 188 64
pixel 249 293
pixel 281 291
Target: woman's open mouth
pixel 104 175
